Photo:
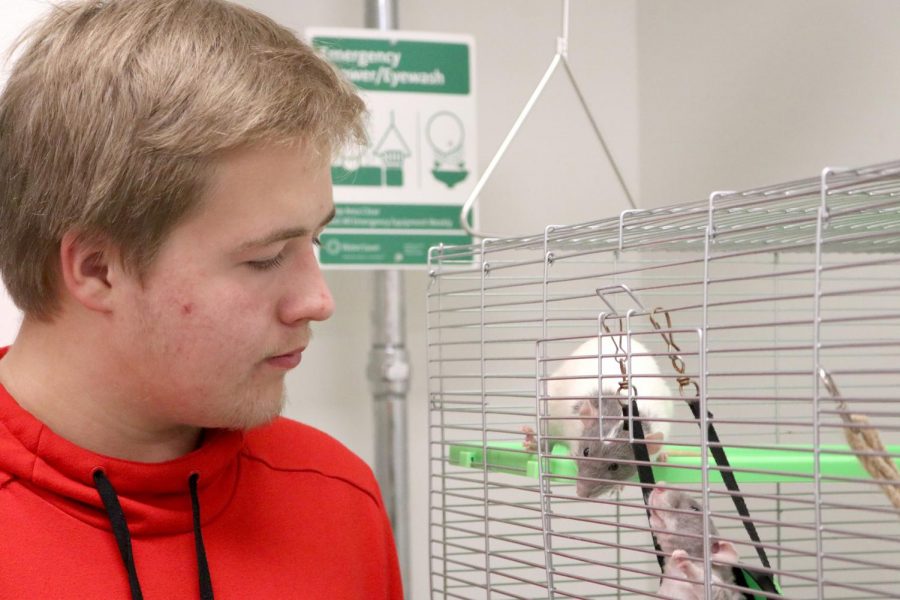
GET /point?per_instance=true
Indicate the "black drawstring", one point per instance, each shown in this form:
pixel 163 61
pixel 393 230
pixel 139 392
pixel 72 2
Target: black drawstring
pixel 206 592
pixel 120 529
pixel 123 536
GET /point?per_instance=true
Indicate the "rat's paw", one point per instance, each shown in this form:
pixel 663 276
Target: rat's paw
pixel 689 568
pixel 679 556
pixel 530 442
pixel 677 563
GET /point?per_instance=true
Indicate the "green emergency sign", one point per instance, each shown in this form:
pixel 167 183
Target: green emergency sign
pixel 403 192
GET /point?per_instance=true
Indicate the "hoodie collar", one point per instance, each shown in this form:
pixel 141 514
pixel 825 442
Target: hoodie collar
pixel 154 496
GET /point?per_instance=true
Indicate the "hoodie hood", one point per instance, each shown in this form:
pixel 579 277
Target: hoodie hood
pixel 154 496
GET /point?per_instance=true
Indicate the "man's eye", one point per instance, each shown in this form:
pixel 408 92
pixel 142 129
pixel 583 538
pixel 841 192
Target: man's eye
pixel 265 265
pixel 317 241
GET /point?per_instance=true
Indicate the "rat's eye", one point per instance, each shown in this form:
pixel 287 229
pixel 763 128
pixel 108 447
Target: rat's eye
pixel 586 451
pixel 614 467
pixel 695 508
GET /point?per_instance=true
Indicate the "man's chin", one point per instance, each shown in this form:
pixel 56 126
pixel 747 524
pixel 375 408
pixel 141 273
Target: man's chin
pixel 256 412
pixel 250 424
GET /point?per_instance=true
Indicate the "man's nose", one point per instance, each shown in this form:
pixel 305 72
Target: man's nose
pixel 309 298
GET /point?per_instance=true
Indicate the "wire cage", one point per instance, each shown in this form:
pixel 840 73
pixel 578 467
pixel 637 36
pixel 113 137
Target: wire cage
pixel 772 316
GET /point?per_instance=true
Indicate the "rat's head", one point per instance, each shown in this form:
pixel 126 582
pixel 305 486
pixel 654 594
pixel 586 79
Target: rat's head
pixel 677 520
pixel 601 457
pixel 603 461
pixel 684 576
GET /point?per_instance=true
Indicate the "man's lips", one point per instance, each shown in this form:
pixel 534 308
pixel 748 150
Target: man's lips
pixel 288 360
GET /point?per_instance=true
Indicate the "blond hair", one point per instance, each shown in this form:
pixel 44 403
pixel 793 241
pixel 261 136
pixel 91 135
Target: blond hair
pixel 116 109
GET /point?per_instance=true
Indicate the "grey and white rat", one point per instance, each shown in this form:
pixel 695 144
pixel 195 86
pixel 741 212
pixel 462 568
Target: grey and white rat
pixel 677 521
pixel 575 382
pixel 599 458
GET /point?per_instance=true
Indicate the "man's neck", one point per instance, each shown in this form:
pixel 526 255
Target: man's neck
pixel 51 373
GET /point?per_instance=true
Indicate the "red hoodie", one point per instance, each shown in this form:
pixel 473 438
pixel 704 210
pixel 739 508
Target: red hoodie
pixel 285 512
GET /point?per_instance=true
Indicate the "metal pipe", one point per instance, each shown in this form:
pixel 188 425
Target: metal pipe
pixel 388 369
pixel 381 14
pixel 389 376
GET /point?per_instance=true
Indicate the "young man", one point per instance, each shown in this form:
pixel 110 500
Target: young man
pixel 164 175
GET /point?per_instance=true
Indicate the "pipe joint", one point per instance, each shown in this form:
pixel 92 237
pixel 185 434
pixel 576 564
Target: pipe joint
pixel 389 372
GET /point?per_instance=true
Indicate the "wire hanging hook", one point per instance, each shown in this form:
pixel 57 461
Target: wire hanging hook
pixel 562 42
pixel 561 57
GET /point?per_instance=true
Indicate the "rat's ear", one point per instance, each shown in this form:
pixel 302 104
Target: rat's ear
pixel 654 448
pixel 85 269
pixel 587 412
pixel 723 551
pixel 615 433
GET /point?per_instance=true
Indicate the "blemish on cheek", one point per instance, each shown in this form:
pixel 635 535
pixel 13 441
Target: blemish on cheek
pixel 187 309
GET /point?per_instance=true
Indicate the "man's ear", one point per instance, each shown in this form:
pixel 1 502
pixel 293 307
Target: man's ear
pixel 85 266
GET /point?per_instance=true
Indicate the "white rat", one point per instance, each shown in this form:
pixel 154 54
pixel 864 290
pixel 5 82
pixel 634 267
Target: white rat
pixel 571 413
pixel 680 535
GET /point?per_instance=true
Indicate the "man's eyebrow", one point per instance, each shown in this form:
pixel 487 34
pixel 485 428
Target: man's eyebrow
pixel 286 234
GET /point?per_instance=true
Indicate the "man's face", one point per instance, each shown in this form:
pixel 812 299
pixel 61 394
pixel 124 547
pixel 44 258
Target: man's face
pixel 224 311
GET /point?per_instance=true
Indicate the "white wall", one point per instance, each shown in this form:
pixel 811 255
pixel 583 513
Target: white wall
pixel 738 94
pixel 10 318
pixel 692 96
pixel 16 17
